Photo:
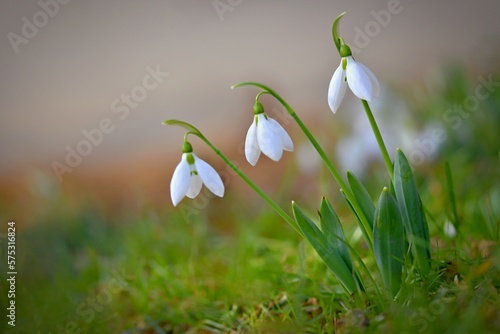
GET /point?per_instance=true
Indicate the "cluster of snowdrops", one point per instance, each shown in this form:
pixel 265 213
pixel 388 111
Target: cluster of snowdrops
pixel 394 228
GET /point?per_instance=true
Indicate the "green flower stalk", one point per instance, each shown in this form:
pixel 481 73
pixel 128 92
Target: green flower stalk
pixel 362 83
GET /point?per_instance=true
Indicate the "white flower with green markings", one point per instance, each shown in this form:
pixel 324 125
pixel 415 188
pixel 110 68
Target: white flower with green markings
pixel 265 135
pixel 360 79
pixel 190 175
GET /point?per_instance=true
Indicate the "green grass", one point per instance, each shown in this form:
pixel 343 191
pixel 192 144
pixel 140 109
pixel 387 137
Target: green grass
pixel 236 267
pixel 174 277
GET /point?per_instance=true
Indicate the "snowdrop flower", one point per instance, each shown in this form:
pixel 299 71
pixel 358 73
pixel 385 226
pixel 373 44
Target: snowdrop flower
pixel 360 79
pixel 449 229
pixel 190 174
pixel 267 136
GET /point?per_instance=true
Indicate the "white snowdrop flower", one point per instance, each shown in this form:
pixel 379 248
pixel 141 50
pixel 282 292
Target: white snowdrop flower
pixel 360 79
pixel 267 136
pixel 190 175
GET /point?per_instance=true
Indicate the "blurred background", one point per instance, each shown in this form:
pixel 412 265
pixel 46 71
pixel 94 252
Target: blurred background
pixel 68 66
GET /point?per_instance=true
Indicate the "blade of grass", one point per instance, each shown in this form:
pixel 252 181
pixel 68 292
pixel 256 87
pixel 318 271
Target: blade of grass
pixel 330 256
pixel 361 195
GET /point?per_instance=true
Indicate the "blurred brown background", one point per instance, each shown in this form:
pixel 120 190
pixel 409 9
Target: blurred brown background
pixel 68 68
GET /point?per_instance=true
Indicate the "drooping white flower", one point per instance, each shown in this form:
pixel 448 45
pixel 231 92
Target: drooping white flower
pixel 360 79
pixel 267 136
pixel 190 175
pixel 449 229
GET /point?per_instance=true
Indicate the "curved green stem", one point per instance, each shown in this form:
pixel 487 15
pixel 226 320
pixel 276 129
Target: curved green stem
pixel 380 140
pixel 193 130
pixel 258 95
pixel 187 134
pixel 320 151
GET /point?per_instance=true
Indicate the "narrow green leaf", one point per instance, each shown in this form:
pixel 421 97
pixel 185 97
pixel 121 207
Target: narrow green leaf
pixel 335 237
pixel 412 211
pixel 333 232
pixel 388 241
pixel 362 197
pixel 367 236
pixel 330 256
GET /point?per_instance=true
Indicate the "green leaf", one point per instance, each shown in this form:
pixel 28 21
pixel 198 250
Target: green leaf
pixel 368 236
pixel 388 241
pixel 333 232
pixel 330 256
pixel 335 31
pixel 412 211
pixel 189 127
pixel 362 197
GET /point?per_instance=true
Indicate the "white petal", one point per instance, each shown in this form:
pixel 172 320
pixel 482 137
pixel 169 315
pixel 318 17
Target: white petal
pixel 286 141
pixel 180 181
pixel 209 177
pixel 252 150
pixel 358 80
pixel 269 140
pixel 336 90
pixel 195 184
pixel 373 79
